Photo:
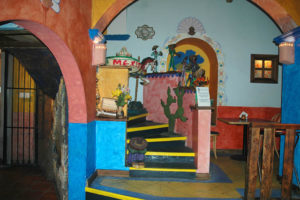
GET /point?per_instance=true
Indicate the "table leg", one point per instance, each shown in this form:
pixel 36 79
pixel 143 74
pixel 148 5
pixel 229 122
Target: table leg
pixel 245 141
pixel 243 157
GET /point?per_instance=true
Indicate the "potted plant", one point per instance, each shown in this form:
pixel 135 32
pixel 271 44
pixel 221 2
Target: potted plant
pixel 121 94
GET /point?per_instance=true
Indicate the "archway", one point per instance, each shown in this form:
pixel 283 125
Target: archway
pixel 70 70
pixel 280 16
pixel 271 7
pixel 213 75
pixel 75 93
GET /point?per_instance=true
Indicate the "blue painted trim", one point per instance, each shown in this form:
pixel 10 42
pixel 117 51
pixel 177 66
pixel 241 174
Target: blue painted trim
pixel 294 33
pixel 120 37
pixel 150 197
pixel 96 33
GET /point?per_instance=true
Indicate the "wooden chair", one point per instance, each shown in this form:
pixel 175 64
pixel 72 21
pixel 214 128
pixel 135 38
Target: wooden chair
pixel 213 135
pixel 278 132
pixel 275 118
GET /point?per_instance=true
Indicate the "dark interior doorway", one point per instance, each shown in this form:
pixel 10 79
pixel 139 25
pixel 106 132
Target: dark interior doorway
pixel 19 98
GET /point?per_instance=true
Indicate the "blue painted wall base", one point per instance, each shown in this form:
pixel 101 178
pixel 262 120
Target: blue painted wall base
pixel 111 145
pixel 81 148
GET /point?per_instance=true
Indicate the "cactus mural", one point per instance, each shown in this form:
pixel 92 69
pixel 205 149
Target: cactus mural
pixel 179 112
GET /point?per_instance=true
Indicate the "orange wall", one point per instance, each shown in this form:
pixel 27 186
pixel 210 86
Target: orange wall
pixel 293 8
pixel 71 24
pixel 99 8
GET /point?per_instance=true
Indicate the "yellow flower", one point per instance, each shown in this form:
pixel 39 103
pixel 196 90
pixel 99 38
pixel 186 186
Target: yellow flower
pixel 116 93
pixel 127 97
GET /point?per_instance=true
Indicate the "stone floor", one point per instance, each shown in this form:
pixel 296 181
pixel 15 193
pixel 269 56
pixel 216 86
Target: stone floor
pixel 25 183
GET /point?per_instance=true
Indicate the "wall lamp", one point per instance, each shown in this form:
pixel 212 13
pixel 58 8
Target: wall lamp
pixel 286 53
pixel 99 47
pixel 286 44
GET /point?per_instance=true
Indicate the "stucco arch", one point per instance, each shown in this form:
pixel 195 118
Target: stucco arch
pixel 115 9
pixel 68 67
pixel 271 7
pixel 279 14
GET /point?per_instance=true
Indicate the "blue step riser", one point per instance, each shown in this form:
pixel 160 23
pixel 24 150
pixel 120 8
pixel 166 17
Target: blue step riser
pixel 170 159
pixel 162 174
pixel 146 132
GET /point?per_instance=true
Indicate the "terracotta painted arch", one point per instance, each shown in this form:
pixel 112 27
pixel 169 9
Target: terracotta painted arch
pixel 111 13
pixel 271 7
pixel 277 13
pixel 68 67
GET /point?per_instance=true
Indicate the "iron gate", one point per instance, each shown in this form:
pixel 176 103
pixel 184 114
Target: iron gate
pixel 20 108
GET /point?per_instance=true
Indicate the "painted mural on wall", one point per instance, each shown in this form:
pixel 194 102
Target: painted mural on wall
pixel 190 59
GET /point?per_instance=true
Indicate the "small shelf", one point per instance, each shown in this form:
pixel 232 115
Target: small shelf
pixel 110 119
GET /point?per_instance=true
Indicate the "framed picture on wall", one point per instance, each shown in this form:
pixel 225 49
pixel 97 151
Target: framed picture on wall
pixel 264 68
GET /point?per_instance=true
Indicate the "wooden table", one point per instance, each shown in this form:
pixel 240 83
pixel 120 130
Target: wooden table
pixel 268 158
pixel 245 124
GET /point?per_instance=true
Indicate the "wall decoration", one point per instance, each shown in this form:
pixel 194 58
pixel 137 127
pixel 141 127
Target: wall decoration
pixel 124 58
pixel 183 33
pixel 191 26
pixel 54 4
pixel 188 62
pixel 145 32
pixel 156 54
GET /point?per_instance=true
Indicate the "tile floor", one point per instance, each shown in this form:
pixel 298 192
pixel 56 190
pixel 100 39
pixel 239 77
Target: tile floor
pixel 25 183
pixel 227 182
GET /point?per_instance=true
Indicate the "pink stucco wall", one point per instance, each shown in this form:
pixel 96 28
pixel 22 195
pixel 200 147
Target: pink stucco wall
pixel 201 139
pixel 154 92
pixel 230 137
pixel 157 90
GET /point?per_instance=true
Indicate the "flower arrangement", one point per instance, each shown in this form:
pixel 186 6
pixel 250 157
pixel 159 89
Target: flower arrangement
pixel 200 81
pixel 122 95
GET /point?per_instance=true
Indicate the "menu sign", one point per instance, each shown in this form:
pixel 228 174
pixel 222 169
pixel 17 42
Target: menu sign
pixel 202 97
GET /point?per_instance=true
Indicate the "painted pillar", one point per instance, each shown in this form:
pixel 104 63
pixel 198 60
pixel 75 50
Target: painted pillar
pixel 291 106
pixel 81 141
pixel 201 139
pixel 111 145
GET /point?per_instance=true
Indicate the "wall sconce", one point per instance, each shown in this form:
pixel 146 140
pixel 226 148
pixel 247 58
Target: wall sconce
pixel 99 47
pixel 286 53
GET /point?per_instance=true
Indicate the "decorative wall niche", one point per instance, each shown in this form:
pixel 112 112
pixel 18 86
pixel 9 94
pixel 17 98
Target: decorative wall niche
pixel 199 40
pixel 264 68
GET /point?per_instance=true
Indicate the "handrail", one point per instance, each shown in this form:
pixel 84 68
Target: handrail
pixel 275 125
pixel 268 156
